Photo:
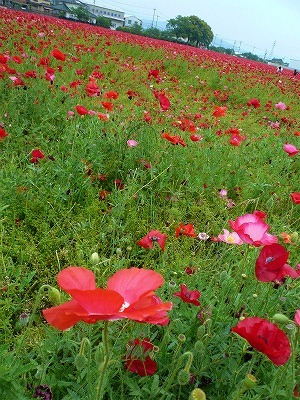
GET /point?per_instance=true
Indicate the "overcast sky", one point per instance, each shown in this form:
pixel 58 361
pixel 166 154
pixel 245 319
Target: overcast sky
pixel 255 23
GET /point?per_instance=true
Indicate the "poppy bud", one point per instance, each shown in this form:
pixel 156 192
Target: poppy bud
pixel 201 331
pixel 183 377
pixel 80 362
pixel 181 338
pixel 249 381
pixel 295 237
pixel 95 258
pixel 54 296
pixel 197 394
pixel 118 251
pixel 199 346
pixel 280 319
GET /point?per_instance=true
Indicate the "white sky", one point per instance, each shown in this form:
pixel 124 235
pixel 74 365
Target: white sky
pixel 255 23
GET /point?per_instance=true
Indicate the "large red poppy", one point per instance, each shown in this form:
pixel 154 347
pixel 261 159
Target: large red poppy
pixel 271 264
pixel 266 337
pixel 129 294
pixel 138 358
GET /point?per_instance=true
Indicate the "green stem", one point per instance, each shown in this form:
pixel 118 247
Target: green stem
pixel 31 318
pixel 103 366
pixel 189 356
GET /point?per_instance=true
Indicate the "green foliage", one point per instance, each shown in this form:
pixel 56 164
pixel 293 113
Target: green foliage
pixel 103 21
pixel 192 28
pixel 81 13
pixel 59 211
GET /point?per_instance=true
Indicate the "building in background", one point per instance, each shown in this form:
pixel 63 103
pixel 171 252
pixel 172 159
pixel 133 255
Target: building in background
pixel 131 20
pixel 116 17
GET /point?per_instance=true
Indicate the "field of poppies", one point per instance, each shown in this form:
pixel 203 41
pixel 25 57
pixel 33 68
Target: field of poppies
pixel 149 218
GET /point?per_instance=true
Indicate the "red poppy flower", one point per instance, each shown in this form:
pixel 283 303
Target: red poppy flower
pixel 129 294
pixel 36 155
pixel 271 264
pixel 102 116
pixel 254 103
pixel 92 89
pixel 30 74
pixel 163 100
pixel 111 95
pixel 295 197
pixel 219 111
pixel 186 230
pixel 138 358
pixel 17 59
pixel 82 110
pixel 153 237
pixel 107 105
pixel 196 138
pixel 236 140
pixel 173 139
pixel 266 337
pixel 154 73
pixel 188 296
pixel 3 134
pixel 58 55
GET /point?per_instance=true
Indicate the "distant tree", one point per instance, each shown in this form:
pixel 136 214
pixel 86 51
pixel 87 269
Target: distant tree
pixel 152 32
pixel 81 13
pixel 193 29
pixel 136 28
pixel 251 56
pixel 178 27
pixel 103 21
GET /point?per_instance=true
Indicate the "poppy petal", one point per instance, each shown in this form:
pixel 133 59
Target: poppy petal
pixel 134 282
pixel 76 278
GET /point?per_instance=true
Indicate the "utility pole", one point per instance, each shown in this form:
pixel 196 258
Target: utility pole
pixel 156 21
pixel 271 52
pixel 153 17
pixel 240 47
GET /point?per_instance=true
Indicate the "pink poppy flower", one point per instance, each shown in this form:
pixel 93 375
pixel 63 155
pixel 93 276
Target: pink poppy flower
pixel 130 294
pixel 153 237
pixel 290 149
pixel 132 143
pixel 280 106
pixel 297 317
pixel 252 230
pixel 266 337
pixel 230 237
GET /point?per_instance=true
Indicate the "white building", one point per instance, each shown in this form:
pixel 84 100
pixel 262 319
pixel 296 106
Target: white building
pixel 116 17
pixel 131 20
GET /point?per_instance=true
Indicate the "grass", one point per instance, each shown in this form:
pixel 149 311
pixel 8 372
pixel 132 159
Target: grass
pixel 92 193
